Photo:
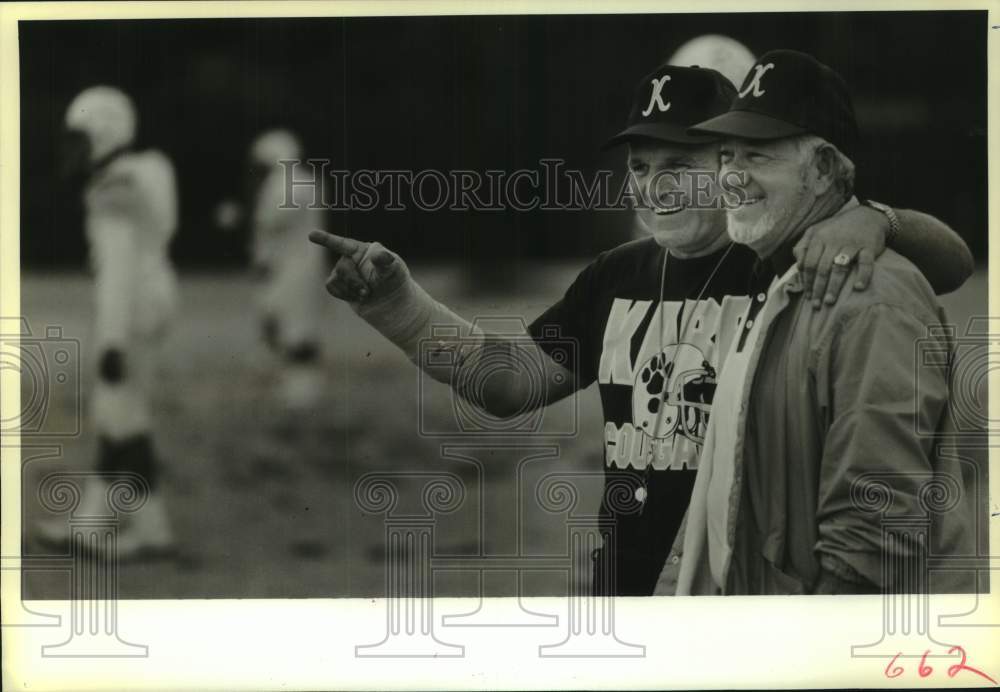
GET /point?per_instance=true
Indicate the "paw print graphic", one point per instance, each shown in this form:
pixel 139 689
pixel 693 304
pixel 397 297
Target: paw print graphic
pixel 662 388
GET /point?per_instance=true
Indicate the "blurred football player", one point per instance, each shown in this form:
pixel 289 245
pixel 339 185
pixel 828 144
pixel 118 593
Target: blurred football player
pixel 291 302
pixel 130 205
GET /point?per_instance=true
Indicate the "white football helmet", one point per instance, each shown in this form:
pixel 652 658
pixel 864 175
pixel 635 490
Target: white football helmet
pixel 106 116
pixel 273 146
pixel 718 52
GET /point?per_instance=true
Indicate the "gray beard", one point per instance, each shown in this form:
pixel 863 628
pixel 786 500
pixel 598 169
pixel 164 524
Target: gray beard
pixel 773 223
pixel 748 233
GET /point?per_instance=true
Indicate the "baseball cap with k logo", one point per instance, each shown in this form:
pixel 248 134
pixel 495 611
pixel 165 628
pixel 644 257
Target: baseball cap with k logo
pixel 671 99
pixel 788 93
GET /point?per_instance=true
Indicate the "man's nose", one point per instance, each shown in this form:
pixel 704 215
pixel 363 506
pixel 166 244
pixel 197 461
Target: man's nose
pixel 648 191
pixel 734 181
pixel 666 189
pixel 733 165
pixel 735 170
pixel 666 195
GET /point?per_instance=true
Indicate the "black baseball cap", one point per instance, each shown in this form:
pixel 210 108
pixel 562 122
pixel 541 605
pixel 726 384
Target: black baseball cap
pixel 669 100
pixel 789 93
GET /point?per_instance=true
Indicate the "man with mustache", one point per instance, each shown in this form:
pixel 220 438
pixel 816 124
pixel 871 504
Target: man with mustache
pixel 814 405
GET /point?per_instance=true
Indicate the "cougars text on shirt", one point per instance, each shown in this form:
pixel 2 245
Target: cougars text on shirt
pixel 672 376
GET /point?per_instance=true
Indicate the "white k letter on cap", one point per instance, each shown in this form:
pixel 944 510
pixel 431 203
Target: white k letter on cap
pixel 754 84
pixel 656 97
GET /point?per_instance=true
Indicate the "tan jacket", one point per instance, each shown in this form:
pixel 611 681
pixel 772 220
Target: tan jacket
pixel 853 412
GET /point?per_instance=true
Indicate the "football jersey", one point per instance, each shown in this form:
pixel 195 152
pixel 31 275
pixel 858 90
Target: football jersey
pixel 131 217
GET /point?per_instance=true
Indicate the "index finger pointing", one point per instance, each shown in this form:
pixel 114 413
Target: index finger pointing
pixel 343 246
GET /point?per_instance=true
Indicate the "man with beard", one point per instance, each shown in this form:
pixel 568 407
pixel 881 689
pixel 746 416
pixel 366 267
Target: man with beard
pixel 816 406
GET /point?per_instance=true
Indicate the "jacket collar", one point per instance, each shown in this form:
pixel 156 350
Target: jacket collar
pixel 783 261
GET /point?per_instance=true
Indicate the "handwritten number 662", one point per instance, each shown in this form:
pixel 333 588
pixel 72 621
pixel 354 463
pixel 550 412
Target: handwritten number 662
pixel 894 671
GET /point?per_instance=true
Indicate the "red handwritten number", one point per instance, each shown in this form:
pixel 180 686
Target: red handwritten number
pixel 960 666
pixel 924 669
pixel 895 672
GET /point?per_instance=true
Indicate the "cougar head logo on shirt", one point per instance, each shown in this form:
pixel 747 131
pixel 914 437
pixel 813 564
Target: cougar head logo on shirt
pixel 675 386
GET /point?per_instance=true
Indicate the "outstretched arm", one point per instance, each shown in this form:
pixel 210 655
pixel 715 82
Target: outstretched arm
pixel 937 251
pixel 492 372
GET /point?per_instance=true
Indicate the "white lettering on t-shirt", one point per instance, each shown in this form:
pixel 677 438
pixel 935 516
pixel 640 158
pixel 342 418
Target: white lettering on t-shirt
pixel 623 321
pixel 672 377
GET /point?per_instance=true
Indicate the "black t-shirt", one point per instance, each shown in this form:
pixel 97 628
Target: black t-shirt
pixel 656 386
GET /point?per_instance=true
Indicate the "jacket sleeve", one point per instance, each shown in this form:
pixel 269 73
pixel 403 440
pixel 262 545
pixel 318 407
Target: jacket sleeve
pixel 935 249
pixel 877 400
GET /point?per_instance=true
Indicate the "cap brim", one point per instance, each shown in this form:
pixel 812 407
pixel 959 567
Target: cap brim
pixel 674 134
pixel 748 125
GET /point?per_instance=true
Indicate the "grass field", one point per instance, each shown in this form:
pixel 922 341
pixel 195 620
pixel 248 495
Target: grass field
pixel 263 503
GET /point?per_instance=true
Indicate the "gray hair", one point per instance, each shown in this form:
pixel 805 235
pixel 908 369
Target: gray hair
pixel 843 173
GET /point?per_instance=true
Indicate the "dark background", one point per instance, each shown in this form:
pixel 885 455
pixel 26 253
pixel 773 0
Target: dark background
pixel 478 93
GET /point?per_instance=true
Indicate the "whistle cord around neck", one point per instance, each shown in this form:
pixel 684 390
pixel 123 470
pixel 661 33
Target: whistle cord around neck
pixel 642 492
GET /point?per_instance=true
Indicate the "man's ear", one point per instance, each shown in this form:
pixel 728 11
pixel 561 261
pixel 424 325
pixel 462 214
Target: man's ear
pixel 824 162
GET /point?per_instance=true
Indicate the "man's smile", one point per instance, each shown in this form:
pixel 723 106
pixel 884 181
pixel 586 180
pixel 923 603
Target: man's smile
pixel 667 211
